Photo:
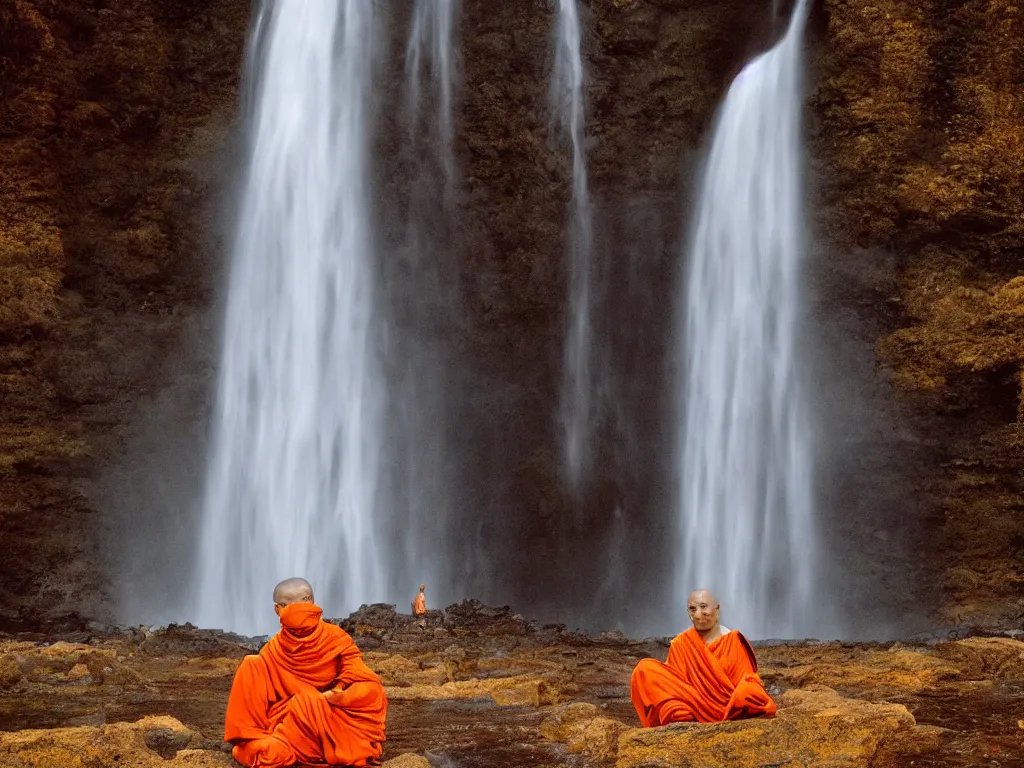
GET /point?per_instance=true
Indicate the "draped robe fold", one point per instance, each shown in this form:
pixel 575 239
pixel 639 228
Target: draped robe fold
pixel 419 605
pixel 277 712
pixel 702 683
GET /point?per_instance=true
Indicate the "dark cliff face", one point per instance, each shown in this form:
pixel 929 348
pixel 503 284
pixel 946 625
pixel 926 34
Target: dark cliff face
pixel 113 127
pixel 921 108
pixel 116 134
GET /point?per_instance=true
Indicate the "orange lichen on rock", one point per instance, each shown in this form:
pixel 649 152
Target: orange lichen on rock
pixel 408 760
pixel 153 742
pixel 963 350
pixel 923 116
pixel 874 109
pixel 397 670
pixel 815 728
pixel 31 251
pixel 997 658
pixel 63 662
pixel 962 325
pixel 983 162
pixel 583 730
pixel 516 691
pixel 905 669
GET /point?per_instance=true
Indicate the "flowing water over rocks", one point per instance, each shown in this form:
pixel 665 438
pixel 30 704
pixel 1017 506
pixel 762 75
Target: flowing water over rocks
pixel 746 452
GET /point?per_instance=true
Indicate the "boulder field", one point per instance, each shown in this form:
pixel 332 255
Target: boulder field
pixel 479 686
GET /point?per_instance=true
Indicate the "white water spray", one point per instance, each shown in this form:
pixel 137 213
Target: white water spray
pixel 421 272
pixel 567 108
pixel 430 48
pixel 746 449
pixel 292 480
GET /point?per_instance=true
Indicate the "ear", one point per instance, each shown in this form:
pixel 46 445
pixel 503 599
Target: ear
pixel 277 609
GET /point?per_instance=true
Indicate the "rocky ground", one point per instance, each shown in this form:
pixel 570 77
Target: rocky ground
pixel 479 686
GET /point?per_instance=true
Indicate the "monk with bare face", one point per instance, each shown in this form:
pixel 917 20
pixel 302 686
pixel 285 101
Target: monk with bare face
pixel 307 697
pixel 710 674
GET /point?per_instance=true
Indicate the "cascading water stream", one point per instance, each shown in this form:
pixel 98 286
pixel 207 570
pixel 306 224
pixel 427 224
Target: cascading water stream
pixel 567 108
pixel 430 47
pixel 292 479
pixel 421 271
pixel 746 445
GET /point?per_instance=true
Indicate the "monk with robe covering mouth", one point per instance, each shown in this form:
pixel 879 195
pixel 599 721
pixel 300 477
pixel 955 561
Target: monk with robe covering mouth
pixel 710 675
pixel 307 697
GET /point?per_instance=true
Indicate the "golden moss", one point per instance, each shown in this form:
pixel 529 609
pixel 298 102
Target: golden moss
pixel 815 728
pixel 913 149
pixel 924 124
pixel 21 445
pixel 958 328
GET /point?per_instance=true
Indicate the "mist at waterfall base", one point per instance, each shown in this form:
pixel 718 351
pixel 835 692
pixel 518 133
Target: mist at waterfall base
pixel 749 529
pixel 422 307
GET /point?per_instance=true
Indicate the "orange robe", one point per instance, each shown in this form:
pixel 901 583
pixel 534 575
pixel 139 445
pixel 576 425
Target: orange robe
pixel 419 605
pixel 702 683
pixel 277 712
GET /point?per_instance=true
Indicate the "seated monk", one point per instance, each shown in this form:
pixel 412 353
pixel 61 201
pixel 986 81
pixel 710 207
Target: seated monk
pixel 710 675
pixel 307 697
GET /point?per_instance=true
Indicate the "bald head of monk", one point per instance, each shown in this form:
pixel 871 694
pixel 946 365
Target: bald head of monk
pixel 703 608
pixel 292 591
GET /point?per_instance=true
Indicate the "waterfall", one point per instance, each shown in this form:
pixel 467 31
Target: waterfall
pixel 568 112
pixel 421 271
pixel 430 48
pixel 746 451
pixel 291 487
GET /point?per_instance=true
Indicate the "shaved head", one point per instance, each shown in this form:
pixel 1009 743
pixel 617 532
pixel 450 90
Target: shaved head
pixel 293 591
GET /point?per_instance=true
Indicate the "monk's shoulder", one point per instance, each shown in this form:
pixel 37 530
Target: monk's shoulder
pixel 270 647
pixel 739 637
pixel 338 635
pixel 687 635
pixel 679 641
pixel 739 640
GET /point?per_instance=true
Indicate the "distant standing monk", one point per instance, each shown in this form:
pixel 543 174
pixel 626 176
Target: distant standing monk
pixel 419 605
pixel 711 674
pixel 308 697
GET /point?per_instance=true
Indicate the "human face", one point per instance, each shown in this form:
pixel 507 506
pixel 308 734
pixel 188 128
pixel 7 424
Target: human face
pixel 703 609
